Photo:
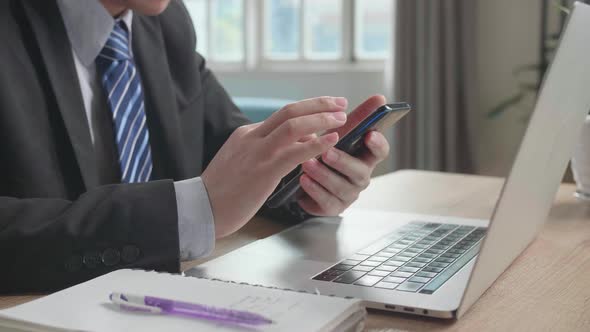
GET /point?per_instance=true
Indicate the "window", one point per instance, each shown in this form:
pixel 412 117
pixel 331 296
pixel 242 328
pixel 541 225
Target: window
pixel 372 36
pixel 258 32
pixel 282 28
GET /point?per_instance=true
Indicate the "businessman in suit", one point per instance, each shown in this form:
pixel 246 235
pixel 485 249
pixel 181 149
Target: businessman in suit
pixel 119 148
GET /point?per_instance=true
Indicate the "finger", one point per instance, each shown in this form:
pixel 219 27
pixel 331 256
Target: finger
pixel 307 138
pixel 253 126
pixel 360 113
pixel 328 203
pixel 336 184
pixel 355 169
pixel 310 206
pixel 377 148
pixel 301 108
pixel 294 129
pixel 296 154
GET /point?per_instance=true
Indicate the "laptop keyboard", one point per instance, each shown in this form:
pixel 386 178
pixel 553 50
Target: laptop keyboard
pixel 420 257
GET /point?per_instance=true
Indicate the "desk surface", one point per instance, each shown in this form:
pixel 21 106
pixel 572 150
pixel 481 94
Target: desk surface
pixel 546 288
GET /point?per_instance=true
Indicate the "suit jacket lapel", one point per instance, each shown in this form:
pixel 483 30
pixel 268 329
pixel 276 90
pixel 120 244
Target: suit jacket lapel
pixel 160 99
pixel 56 52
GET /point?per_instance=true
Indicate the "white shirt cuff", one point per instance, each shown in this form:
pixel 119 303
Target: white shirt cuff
pixel 196 227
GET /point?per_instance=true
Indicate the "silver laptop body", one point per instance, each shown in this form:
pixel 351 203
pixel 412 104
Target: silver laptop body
pixel 433 265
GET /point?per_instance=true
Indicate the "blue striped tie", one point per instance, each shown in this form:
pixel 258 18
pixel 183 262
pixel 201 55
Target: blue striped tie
pixel 122 86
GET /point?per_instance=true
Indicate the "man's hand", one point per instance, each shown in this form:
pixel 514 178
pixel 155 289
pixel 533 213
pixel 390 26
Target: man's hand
pixel 329 193
pixel 251 163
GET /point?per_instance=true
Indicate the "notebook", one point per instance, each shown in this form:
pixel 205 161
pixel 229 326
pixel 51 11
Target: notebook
pixel 86 307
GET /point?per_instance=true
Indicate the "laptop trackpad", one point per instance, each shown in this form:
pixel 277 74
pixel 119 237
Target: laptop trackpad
pixel 324 239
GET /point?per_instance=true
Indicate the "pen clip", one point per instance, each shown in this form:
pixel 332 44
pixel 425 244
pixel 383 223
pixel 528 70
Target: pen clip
pixel 133 303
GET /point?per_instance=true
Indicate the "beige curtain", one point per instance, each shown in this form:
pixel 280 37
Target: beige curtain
pixel 434 67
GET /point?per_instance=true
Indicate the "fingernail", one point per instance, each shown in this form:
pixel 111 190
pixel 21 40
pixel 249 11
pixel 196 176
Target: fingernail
pixel 331 138
pixel 372 139
pixel 331 155
pixel 340 116
pixel 341 101
pixel 310 163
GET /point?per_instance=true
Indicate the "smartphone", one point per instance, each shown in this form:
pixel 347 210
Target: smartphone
pixel 352 143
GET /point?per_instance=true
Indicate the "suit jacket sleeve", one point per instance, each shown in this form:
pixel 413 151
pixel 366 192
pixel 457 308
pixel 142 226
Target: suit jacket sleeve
pixel 48 244
pixel 222 117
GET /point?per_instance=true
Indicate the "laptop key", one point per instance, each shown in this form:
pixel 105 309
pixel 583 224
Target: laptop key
pixel 450 255
pixel 438 264
pixel 387 268
pixel 421 260
pixel 432 269
pixel 379 273
pixel 398 246
pixel 362 268
pixel 325 277
pixel 378 259
pixel 393 263
pixel 396 280
pixel 409 286
pixel 444 260
pixel 350 262
pixel 413 250
pixel 427 255
pixel 400 258
pixel 385 254
pixel 415 263
pixel 349 277
pixel 408 269
pixel 426 274
pixel 343 267
pixel 401 274
pixel 419 279
pixel 368 280
pixel 334 272
pixel 370 263
pixel 386 285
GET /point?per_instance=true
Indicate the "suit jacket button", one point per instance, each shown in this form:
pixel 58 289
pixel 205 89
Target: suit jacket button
pixel 73 263
pixel 130 254
pixel 91 259
pixel 111 257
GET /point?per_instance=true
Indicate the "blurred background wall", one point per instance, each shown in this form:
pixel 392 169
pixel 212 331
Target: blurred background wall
pixel 506 39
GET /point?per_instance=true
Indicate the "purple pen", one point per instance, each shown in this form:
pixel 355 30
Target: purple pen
pixel 158 305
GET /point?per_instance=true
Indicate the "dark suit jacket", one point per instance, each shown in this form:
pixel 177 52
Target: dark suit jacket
pixel 58 225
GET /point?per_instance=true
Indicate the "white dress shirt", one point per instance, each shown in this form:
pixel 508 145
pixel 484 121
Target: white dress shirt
pixel 89 25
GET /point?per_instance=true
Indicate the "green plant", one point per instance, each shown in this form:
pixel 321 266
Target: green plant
pixel 523 98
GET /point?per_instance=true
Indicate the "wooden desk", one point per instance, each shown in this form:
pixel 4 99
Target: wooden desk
pixel 546 288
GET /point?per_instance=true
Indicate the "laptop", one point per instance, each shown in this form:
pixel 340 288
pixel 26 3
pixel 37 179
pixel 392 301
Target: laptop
pixel 433 265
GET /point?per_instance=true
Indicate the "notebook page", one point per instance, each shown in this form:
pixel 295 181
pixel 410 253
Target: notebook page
pixel 86 307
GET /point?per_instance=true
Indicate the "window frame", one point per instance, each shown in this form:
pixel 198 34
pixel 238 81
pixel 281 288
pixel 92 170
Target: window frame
pixel 253 34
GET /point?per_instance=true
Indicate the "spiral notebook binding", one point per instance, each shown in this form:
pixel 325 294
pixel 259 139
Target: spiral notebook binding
pixel 248 284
